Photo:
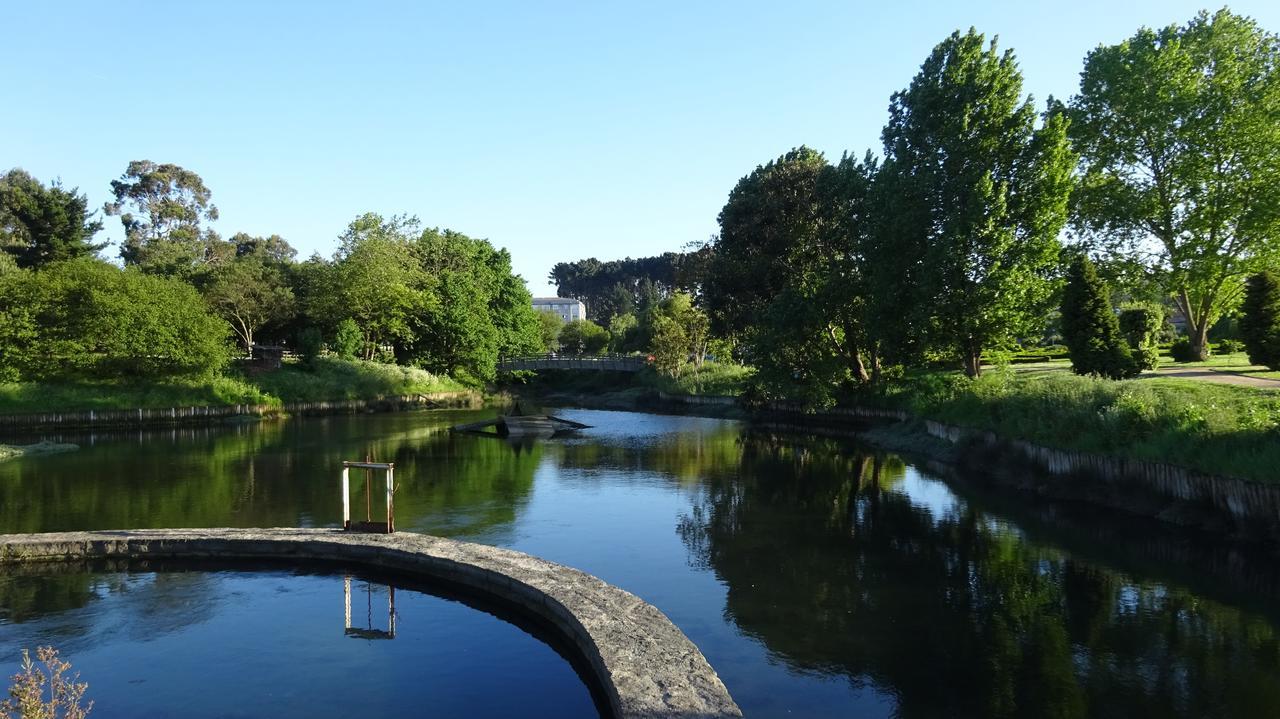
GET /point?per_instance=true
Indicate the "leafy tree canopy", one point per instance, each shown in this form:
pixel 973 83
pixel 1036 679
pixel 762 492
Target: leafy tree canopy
pixel 40 225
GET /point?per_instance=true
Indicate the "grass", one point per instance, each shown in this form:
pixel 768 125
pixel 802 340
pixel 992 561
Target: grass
pixel 330 379
pixel 712 379
pixel 335 379
pixel 23 397
pixel 1218 429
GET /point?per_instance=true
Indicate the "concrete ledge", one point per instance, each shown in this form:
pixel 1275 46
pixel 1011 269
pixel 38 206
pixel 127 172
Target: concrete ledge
pixel 646 666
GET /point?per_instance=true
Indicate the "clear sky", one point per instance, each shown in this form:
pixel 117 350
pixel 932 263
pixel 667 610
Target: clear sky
pixel 557 130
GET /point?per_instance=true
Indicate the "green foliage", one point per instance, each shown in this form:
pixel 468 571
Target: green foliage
pixel 40 225
pixel 337 379
pixel 1089 325
pixel 348 342
pixel 711 379
pixel 978 197
pixel 310 343
pixel 88 319
pixel 549 326
pixel 129 393
pixel 1228 347
pixel 1141 326
pixel 583 337
pixel 629 286
pixel 1214 428
pixel 165 237
pixel 1177 128
pixel 1182 351
pixel 669 345
pixel 248 293
pixel 1260 323
pixel 624 333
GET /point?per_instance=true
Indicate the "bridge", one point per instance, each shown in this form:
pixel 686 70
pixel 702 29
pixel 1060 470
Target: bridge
pixel 600 363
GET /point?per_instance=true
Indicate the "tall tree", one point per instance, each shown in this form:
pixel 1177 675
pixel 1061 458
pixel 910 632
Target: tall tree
pixel 980 195
pixel 249 294
pixel 1179 131
pixel 1090 327
pixel 166 235
pixel 39 224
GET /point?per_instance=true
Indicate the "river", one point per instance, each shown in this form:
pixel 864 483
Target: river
pixel 820 578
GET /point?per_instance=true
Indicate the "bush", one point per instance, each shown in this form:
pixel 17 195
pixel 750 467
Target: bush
pixel 86 319
pixel 1229 347
pixel 1260 323
pixel 348 341
pixel 583 337
pixel 1090 328
pixel 1141 328
pixel 310 344
pixel 27 694
pixel 1180 350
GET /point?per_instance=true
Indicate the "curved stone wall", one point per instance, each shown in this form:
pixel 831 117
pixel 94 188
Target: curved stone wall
pixel 645 665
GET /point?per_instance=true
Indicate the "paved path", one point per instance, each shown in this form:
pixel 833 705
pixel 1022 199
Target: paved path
pixel 1218 376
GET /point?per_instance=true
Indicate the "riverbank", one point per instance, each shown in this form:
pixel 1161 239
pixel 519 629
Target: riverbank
pixel 1241 507
pixel 327 385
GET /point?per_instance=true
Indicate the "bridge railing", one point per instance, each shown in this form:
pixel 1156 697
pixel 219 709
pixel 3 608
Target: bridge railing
pixel 603 362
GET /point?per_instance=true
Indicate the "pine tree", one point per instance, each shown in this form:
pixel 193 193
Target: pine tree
pixel 1260 323
pixel 1090 327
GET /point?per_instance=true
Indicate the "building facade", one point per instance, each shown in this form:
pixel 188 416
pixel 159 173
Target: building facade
pixel 568 309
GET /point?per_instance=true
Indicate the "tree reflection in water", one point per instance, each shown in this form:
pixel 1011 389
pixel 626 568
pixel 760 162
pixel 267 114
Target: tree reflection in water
pixel 837 570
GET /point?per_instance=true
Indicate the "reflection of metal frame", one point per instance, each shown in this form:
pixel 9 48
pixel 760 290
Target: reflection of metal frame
pixel 369 632
pixel 386 527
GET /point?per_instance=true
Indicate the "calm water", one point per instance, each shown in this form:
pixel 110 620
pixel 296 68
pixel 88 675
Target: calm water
pixel 279 643
pixel 820 579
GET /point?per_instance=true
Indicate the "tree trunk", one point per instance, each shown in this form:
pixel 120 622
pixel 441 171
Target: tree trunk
pixel 973 363
pixel 859 369
pixel 1197 327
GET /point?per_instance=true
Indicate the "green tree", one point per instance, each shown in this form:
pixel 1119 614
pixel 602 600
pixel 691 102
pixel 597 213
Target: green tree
pixel 549 326
pixel 166 235
pixel 88 319
pixel 348 340
pixel 1180 142
pixel 769 227
pixel 249 294
pixel 624 331
pixel 376 280
pixel 39 224
pixel 980 194
pixel 1260 324
pixel 583 337
pixel 669 344
pixel 1090 327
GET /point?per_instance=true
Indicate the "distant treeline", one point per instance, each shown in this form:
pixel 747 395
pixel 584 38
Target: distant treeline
pixel 629 286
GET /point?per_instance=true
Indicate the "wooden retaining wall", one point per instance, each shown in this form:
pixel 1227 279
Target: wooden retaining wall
pixel 1240 498
pixel 185 415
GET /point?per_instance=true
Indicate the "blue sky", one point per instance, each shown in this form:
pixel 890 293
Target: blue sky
pixel 557 130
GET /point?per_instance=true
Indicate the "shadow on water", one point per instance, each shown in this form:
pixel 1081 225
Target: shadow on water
pixel 845 562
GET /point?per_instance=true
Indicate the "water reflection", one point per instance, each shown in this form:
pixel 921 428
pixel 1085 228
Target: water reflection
pixel 207 640
pixel 851 564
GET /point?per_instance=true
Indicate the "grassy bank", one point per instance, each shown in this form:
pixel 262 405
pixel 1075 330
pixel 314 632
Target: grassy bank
pixel 329 379
pixel 1218 429
pixel 711 379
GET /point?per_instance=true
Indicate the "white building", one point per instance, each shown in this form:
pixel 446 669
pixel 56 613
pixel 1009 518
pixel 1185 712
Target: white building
pixel 568 309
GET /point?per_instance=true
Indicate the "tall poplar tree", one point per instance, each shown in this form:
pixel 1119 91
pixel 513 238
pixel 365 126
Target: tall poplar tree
pixel 980 195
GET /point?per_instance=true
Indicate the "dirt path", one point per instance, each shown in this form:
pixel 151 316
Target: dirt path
pixel 1219 376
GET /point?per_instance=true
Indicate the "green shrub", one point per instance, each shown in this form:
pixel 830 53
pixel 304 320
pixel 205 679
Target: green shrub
pixel 583 337
pixel 348 341
pixel 86 319
pixel 1180 351
pixel 310 344
pixel 1089 325
pixel 1229 347
pixel 1260 323
pixel 1141 328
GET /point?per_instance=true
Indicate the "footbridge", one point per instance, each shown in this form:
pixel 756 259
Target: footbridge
pixel 602 363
